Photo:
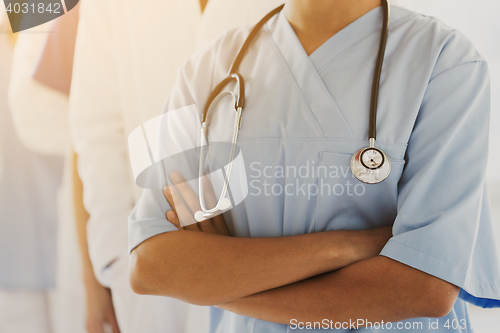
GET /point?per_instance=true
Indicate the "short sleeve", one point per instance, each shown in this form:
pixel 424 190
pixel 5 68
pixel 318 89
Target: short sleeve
pixel 148 219
pixel 443 226
pixel 192 87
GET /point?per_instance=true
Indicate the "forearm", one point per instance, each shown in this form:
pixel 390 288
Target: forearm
pixel 81 218
pixel 374 290
pixel 209 269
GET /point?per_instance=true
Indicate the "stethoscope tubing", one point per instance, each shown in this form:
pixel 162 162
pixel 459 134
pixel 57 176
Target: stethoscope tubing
pixel 378 71
pixel 240 103
pixel 221 205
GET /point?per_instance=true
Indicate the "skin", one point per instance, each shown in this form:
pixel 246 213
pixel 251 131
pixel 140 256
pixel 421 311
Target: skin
pixel 378 289
pixel 203 5
pixel 99 304
pixel 315 21
pixel 336 274
pixel 391 291
pixel 380 295
pixel 207 267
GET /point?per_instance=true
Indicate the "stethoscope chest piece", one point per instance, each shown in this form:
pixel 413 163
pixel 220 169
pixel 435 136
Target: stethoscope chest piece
pixel 370 165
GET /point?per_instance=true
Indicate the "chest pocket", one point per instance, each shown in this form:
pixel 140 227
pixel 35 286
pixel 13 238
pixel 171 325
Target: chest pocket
pixel 345 203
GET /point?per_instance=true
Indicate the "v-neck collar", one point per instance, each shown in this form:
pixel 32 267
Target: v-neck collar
pixel 306 77
pixel 364 26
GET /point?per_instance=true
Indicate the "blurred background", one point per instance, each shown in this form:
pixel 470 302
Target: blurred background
pixel 36 77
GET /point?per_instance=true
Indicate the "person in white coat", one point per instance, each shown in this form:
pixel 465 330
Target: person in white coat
pixel 126 60
pixel 39 95
pixel 28 219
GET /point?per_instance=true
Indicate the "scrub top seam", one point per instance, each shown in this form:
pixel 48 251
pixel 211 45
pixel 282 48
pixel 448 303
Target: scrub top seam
pixel 458 65
pixel 276 48
pixel 320 139
pixel 450 264
pixel 429 255
pixel 483 284
pixel 393 26
pixel 324 152
pixel 316 72
pixel 323 68
pixel 253 324
pixel 165 224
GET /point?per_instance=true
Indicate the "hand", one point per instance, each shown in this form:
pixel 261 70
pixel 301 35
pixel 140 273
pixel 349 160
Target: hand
pixel 365 244
pixel 101 316
pixel 214 225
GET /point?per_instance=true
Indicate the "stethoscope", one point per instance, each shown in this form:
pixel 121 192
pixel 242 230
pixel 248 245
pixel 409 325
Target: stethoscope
pixel 369 165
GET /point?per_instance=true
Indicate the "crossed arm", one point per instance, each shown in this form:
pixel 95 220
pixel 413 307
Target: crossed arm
pixel 336 275
pixel 375 289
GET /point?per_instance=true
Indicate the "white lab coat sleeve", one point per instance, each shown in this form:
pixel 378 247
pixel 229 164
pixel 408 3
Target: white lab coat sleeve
pixel 99 138
pixel 39 113
pixel 443 226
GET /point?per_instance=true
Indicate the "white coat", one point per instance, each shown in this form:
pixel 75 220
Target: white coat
pixel 126 61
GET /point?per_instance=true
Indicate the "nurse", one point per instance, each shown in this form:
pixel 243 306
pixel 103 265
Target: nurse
pixel 328 259
pixel 29 185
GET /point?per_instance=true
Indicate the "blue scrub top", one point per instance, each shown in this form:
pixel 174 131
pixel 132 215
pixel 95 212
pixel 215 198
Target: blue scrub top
pixel 311 113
